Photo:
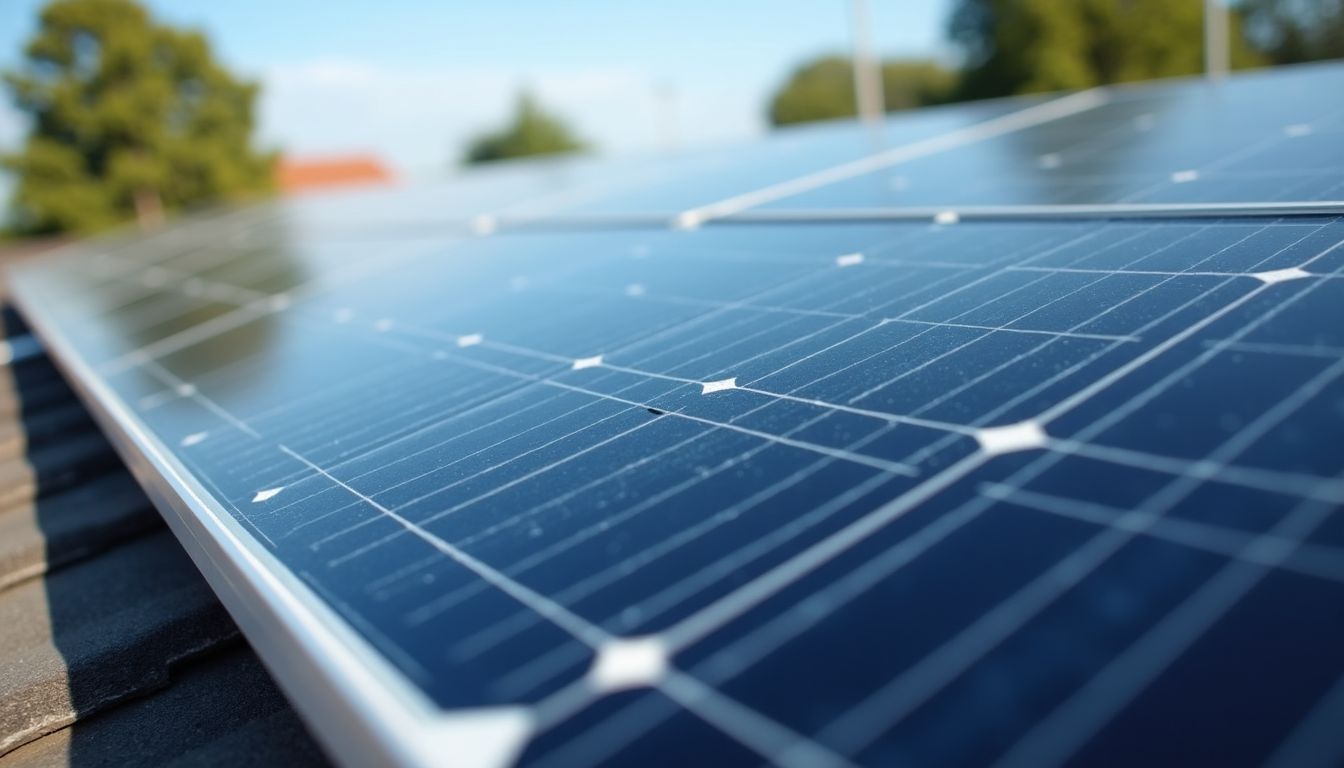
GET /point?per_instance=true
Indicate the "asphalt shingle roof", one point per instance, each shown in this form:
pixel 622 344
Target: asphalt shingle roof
pixel 113 649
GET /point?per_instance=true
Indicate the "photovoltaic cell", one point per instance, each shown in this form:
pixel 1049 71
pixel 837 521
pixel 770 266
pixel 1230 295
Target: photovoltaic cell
pixel 1026 492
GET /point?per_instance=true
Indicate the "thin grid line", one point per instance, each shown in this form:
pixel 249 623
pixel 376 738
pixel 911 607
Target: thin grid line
pixel 1154 272
pixel 1321 562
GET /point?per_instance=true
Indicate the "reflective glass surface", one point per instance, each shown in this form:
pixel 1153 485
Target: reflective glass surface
pixel 877 493
pixel 1262 137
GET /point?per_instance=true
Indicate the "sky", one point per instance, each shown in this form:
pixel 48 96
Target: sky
pixel 412 80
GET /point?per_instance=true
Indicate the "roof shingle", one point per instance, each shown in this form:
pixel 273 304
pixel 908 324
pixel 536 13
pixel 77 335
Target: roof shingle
pixel 113 649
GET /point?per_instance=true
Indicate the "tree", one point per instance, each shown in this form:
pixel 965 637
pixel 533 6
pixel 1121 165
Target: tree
pixel 129 118
pixel 1026 46
pixel 1294 31
pixel 532 132
pixel 823 89
pixel 912 83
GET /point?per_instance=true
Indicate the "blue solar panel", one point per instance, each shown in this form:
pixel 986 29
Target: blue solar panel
pixel 874 492
pixel 1263 137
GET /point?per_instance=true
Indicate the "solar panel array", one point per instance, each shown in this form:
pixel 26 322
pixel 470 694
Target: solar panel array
pixel 686 471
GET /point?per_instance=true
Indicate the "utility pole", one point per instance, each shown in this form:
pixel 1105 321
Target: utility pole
pixel 867 71
pixel 666 115
pixel 1216 54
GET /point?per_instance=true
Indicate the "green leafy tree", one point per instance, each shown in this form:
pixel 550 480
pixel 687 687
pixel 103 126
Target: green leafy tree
pixel 823 89
pixel 912 83
pixel 1025 46
pixel 1294 31
pixel 532 132
pixel 129 118
pixel 818 90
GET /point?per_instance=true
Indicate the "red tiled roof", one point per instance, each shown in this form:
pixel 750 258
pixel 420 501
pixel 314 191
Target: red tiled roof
pixel 303 175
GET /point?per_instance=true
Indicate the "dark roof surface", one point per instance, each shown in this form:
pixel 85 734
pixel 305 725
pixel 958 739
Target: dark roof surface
pixel 113 650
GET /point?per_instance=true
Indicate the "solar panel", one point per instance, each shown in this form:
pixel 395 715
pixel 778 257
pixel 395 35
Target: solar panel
pixel 725 459
pixel 1266 138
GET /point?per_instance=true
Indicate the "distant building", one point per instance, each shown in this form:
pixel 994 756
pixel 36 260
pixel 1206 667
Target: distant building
pixel 301 175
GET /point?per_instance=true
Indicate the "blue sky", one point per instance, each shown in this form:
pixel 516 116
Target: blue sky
pixel 411 79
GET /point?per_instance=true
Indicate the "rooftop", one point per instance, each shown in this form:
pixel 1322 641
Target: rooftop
pixel 299 175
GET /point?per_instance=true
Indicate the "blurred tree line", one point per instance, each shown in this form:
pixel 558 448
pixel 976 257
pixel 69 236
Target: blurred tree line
pixel 1012 47
pixel 1294 31
pixel 130 119
pixel 134 119
pixel 824 88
